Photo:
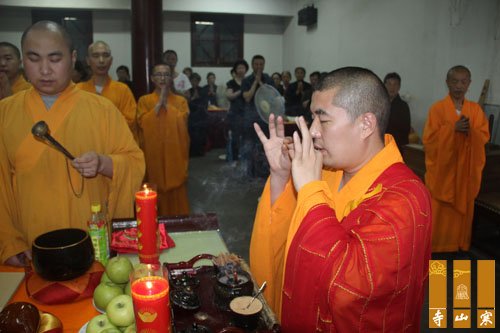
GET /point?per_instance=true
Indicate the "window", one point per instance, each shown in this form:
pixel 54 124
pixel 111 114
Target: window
pixel 78 23
pixel 216 39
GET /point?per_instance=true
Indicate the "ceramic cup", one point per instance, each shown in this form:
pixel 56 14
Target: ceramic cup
pixel 245 316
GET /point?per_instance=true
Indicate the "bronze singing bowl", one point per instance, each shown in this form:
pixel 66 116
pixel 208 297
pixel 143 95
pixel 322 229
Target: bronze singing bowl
pixel 62 254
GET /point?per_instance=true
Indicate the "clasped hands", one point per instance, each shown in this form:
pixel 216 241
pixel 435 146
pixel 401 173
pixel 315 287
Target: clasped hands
pixel 462 125
pixel 291 156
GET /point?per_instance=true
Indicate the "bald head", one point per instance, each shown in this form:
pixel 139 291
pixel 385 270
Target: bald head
pixel 50 27
pixel 97 44
pixel 358 91
pixel 457 69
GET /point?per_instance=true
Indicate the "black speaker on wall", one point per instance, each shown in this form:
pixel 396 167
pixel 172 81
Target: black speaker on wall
pixel 308 16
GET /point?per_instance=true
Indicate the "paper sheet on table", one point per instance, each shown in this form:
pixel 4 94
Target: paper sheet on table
pixel 9 282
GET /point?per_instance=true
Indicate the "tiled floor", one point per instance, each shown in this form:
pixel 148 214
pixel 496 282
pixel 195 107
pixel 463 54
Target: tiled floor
pixel 218 186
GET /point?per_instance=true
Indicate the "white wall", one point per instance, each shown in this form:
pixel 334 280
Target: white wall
pixel 420 40
pixel 262 35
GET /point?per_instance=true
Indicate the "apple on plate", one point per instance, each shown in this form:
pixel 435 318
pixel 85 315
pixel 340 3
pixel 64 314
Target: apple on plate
pixel 111 330
pixel 120 311
pixel 127 290
pixel 131 329
pixel 105 279
pixel 118 269
pixel 104 293
pixel 98 324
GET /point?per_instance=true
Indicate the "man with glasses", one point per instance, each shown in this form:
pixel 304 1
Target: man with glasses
pixel 162 118
pixel 99 59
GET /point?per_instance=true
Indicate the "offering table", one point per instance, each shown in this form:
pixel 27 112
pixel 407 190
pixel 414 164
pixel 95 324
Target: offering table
pixel 193 235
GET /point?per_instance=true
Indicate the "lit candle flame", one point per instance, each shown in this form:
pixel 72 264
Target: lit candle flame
pixel 149 285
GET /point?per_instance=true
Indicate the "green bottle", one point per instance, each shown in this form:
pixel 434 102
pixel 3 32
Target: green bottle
pixel 98 231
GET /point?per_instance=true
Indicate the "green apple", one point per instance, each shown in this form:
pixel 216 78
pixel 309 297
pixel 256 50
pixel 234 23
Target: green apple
pixel 118 269
pixel 120 311
pixel 104 293
pixel 105 279
pixel 98 324
pixel 111 330
pixel 127 290
pixel 130 329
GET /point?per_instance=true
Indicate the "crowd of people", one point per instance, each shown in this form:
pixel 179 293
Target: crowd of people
pixel 342 233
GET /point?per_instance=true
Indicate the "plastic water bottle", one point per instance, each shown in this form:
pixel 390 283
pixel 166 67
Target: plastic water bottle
pixel 98 231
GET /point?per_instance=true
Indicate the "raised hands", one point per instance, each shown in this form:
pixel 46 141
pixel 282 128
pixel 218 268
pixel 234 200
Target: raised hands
pixel 279 154
pixel 307 162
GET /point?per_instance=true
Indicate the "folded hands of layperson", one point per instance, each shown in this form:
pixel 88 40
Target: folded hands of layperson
pixel 91 164
pixel 307 162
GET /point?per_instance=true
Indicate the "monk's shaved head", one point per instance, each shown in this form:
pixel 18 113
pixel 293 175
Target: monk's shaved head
pixel 456 69
pixel 98 43
pixel 49 26
pixel 358 91
pixel 13 47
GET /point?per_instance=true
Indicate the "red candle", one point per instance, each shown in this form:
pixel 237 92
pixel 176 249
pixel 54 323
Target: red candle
pixel 147 225
pixel 150 295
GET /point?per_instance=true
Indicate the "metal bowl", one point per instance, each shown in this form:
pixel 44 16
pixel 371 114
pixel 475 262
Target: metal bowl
pixel 62 254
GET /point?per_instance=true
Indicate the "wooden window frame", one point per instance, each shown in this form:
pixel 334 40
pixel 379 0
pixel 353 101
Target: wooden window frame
pixel 218 20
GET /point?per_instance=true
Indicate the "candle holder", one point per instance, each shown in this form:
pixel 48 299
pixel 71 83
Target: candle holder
pixel 148 240
pixel 150 294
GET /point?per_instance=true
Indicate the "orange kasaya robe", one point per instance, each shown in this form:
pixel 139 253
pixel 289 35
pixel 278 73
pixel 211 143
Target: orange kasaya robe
pixel 454 162
pixel 166 148
pixel 121 96
pixel 20 84
pixel 36 179
pixel 275 226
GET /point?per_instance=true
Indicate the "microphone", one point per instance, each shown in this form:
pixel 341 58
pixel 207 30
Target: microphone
pixel 41 131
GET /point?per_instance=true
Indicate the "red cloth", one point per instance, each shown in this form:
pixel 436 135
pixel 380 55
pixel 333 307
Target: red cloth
pixel 60 292
pixel 366 273
pixel 125 241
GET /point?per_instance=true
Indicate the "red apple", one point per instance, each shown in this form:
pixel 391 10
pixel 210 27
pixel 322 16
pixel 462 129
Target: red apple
pixel 120 311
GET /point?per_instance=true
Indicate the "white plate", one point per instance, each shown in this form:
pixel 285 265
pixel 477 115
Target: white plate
pixel 95 307
pixel 83 329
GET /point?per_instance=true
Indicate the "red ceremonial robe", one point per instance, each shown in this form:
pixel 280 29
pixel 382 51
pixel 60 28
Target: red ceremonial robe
pixel 367 272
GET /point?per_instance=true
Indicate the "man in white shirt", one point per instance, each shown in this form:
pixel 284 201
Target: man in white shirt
pixel 181 81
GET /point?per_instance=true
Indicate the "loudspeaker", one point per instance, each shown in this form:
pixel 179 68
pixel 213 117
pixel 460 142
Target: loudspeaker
pixel 308 16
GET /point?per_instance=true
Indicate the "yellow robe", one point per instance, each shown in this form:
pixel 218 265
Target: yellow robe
pixel 275 227
pixel 36 194
pixel 20 84
pixel 454 162
pixel 166 149
pixel 121 96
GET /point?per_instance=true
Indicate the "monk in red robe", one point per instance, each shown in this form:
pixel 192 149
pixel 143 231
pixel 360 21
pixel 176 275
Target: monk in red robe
pixel 454 138
pixel 355 252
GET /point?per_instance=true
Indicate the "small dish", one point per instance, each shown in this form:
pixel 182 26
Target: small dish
pixel 98 309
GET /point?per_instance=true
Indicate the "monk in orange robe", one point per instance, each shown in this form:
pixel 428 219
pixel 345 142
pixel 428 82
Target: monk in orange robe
pixel 165 140
pixel 41 189
pixel 11 79
pixel 355 248
pixel 99 59
pixel 454 138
